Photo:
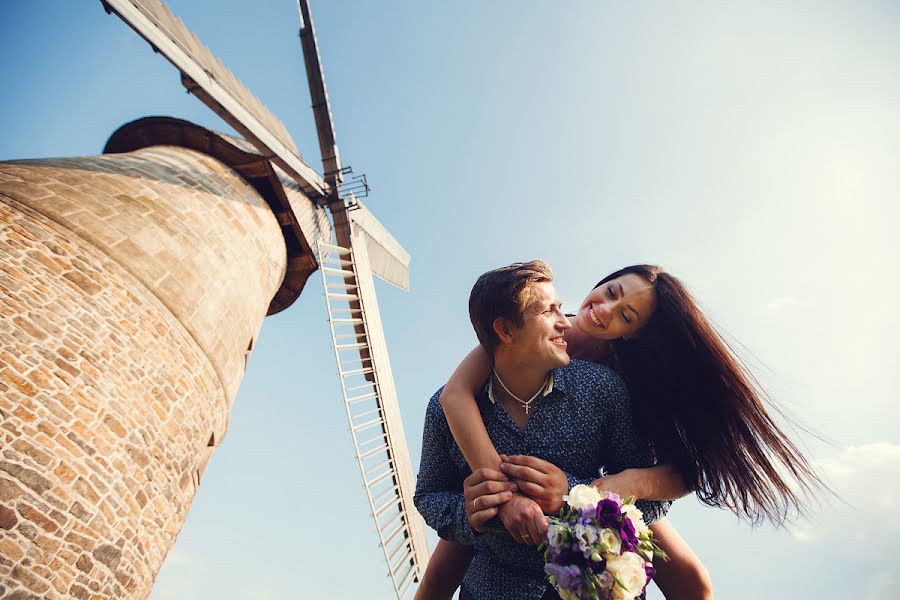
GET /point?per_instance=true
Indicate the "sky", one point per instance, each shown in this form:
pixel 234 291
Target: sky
pixel 751 148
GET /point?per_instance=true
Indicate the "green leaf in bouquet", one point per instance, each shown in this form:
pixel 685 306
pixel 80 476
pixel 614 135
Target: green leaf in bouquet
pixel 589 582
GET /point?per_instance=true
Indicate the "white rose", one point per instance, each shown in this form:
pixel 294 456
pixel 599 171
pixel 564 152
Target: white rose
pixel 582 495
pixel 629 569
pixel 611 538
pixel 637 518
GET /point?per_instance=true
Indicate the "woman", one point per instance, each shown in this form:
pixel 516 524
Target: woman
pixel 691 397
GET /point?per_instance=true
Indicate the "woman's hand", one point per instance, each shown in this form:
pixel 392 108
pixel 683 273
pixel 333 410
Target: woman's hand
pixel 624 484
pixel 661 482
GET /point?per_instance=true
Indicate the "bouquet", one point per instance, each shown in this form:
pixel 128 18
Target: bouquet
pixel 599 547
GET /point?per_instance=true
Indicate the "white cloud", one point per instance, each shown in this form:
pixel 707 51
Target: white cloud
pixel 866 479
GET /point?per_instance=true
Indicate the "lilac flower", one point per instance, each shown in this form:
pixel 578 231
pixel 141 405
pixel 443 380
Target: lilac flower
pixel 586 515
pixel 567 577
pixel 605 584
pixel 608 514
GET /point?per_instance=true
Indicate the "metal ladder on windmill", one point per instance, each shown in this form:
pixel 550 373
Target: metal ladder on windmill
pixel 372 409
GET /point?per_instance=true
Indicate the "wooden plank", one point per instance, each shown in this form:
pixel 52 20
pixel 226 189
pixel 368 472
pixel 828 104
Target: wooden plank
pixel 230 99
pixel 315 76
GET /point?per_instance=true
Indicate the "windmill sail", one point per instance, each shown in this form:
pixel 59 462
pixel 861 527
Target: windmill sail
pixel 387 258
pixel 204 76
pixel 373 412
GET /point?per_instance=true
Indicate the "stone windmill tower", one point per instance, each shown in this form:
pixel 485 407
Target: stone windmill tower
pixel 132 287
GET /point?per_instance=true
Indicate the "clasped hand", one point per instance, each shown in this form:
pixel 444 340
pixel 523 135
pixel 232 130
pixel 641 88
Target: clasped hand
pixel 542 481
pixel 489 493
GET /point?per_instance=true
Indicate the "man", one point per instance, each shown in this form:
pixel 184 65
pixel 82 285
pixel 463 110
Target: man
pixel 566 420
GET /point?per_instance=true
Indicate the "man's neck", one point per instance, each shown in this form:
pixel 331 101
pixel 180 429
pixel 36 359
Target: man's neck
pixel 520 379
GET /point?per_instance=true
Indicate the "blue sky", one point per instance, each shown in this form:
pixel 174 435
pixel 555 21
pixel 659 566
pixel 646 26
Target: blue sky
pixel 751 148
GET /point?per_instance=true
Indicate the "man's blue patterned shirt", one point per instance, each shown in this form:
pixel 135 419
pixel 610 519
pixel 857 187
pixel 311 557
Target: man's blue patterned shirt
pixel 583 424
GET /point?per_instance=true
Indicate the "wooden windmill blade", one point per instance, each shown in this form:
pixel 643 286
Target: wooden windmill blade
pixel 373 411
pixel 387 258
pixel 204 76
pixel 365 248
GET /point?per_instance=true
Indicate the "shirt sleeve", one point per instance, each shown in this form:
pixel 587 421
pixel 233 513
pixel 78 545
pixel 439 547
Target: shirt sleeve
pixel 439 487
pixel 573 481
pixel 626 448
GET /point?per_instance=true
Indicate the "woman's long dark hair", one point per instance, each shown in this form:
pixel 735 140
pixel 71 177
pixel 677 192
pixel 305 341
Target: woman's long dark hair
pixel 704 411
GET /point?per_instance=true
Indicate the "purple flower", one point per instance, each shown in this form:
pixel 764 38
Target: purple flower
pixel 651 572
pixel 597 567
pixel 570 556
pixel 608 514
pixel 629 536
pixel 567 577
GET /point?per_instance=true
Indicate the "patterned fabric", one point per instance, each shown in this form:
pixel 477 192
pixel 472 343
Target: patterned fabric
pixel 582 424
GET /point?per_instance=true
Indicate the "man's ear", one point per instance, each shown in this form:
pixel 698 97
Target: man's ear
pixel 501 326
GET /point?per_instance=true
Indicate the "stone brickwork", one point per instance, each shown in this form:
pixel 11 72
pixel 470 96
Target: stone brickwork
pixel 131 288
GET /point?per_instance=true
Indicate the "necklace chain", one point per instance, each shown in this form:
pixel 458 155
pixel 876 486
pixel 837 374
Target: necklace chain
pixel 526 404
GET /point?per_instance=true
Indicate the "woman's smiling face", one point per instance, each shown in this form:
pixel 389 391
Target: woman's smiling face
pixel 618 308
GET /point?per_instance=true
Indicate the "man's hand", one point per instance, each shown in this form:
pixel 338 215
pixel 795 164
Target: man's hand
pixel 524 520
pixel 485 490
pixel 543 482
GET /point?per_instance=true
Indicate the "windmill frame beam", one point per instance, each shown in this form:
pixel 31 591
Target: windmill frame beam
pixel 331 159
pixel 201 82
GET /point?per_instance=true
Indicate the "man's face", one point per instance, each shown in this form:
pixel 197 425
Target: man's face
pixel 539 342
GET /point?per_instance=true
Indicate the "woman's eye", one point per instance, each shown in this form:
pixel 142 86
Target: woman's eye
pixel 625 318
pixel 609 292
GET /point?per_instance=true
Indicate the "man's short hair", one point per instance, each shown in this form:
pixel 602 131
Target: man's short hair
pixel 504 292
